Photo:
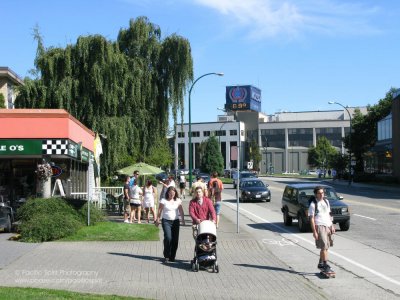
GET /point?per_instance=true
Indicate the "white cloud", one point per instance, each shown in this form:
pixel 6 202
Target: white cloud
pixel 266 18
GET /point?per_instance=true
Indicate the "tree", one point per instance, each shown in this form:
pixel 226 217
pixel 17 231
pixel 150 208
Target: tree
pixel 123 89
pixel 322 156
pixel 212 161
pixel 254 154
pixel 2 104
pixel 364 128
pixel 160 154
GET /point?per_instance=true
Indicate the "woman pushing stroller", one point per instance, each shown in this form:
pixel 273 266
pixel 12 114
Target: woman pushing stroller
pixel 201 208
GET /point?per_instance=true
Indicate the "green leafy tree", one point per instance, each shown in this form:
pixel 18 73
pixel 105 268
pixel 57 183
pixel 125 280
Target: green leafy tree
pixel 2 104
pixel 322 156
pixel 253 153
pixel 364 128
pixel 124 89
pixel 160 154
pixel 212 160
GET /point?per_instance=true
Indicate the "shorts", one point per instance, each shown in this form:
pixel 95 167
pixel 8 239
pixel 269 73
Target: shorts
pixel 127 206
pixel 217 207
pixel 134 205
pixel 182 185
pixel 324 238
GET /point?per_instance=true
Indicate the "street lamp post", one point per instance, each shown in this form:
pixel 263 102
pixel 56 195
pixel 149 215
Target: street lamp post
pixel 190 125
pixel 334 102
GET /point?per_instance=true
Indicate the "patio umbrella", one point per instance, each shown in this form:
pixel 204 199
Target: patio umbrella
pixel 143 168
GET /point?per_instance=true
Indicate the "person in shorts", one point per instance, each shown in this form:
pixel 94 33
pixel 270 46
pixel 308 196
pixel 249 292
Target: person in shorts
pixel 182 185
pixel 215 193
pixel 322 227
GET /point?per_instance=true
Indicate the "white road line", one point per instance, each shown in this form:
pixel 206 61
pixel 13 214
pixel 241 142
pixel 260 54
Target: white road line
pixel 364 217
pixel 376 273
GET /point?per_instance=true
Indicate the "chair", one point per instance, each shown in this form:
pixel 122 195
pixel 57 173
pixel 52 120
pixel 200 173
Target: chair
pixel 111 203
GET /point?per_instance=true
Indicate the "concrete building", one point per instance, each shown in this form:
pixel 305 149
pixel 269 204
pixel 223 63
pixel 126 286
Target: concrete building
pixel 284 138
pixel 8 81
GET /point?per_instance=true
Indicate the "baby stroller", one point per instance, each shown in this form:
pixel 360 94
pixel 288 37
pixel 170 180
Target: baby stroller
pixel 205 250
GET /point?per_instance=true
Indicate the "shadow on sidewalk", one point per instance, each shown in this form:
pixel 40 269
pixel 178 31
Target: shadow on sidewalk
pixel 178 264
pixel 271 268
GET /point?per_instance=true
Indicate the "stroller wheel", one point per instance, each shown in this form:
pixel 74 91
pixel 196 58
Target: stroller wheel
pixel 197 267
pixel 215 268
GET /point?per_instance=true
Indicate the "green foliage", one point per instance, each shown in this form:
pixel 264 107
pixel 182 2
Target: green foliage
pixel 323 155
pixel 160 154
pixel 254 154
pixel 2 103
pixel 212 161
pixel 96 214
pixel 364 128
pixel 123 89
pixel 47 220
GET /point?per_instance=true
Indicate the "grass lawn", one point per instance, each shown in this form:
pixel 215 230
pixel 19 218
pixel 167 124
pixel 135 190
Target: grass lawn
pixel 113 231
pixel 33 293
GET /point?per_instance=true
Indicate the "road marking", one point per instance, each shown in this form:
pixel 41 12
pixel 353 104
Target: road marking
pixel 282 242
pixel 364 217
pixel 376 273
pixel 372 205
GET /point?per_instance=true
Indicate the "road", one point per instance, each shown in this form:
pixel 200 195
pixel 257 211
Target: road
pixel 366 258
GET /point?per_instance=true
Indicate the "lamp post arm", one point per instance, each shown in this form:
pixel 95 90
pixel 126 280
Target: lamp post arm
pixel 190 125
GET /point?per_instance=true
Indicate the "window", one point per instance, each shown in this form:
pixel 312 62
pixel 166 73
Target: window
pixel 195 133
pixel 206 133
pixel 220 133
pixel 232 132
pixel 333 134
pixel 300 137
pixel 181 134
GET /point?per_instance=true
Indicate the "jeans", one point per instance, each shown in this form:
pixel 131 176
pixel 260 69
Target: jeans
pixel 171 237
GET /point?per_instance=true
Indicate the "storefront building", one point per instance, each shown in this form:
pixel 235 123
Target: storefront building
pixel 30 136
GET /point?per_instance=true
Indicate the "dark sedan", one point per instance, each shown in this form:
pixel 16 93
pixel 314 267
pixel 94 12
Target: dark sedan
pixel 253 189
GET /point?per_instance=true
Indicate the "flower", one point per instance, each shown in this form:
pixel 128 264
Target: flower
pixel 44 171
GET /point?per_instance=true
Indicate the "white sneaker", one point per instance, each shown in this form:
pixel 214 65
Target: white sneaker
pixel 126 221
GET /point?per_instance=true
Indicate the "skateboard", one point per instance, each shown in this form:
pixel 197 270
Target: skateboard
pixel 327 274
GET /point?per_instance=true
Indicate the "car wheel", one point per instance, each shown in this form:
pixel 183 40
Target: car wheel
pixel 344 226
pixel 7 228
pixel 302 224
pixel 287 220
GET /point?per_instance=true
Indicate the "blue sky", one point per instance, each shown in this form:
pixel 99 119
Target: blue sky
pixel 300 53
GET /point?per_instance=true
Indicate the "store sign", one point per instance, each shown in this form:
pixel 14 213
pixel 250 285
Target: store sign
pixel 20 147
pixel 243 97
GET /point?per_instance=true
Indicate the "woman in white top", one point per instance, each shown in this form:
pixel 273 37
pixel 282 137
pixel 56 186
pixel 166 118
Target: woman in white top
pixel 135 202
pixel 148 200
pixel 170 210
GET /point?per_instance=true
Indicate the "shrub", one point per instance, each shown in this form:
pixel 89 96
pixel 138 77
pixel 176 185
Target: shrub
pixel 96 214
pixel 44 227
pixel 47 220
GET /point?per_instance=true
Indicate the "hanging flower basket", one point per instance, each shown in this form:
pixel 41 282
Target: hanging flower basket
pixel 43 171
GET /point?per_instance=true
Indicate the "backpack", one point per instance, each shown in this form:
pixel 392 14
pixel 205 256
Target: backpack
pixel 313 200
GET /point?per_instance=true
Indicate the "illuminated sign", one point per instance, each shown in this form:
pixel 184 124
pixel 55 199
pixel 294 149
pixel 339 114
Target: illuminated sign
pixel 243 97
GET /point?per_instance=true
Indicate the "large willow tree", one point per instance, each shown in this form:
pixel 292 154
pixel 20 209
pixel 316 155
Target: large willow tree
pixel 123 89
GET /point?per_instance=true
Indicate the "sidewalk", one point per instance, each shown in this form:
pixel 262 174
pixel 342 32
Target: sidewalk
pixel 248 270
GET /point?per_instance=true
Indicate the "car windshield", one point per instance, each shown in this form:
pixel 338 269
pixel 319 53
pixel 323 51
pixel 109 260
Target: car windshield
pixel 253 183
pixel 330 193
pixel 246 175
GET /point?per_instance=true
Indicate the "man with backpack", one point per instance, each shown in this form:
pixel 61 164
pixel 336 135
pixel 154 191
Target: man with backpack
pixel 215 188
pixel 322 227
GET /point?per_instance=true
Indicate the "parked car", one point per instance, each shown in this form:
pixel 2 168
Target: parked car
pixel 242 176
pixel 204 176
pixel 295 203
pixel 6 215
pixel 253 189
pixel 161 176
pixel 195 171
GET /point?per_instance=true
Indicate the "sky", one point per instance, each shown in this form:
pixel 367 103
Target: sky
pixel 300 53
